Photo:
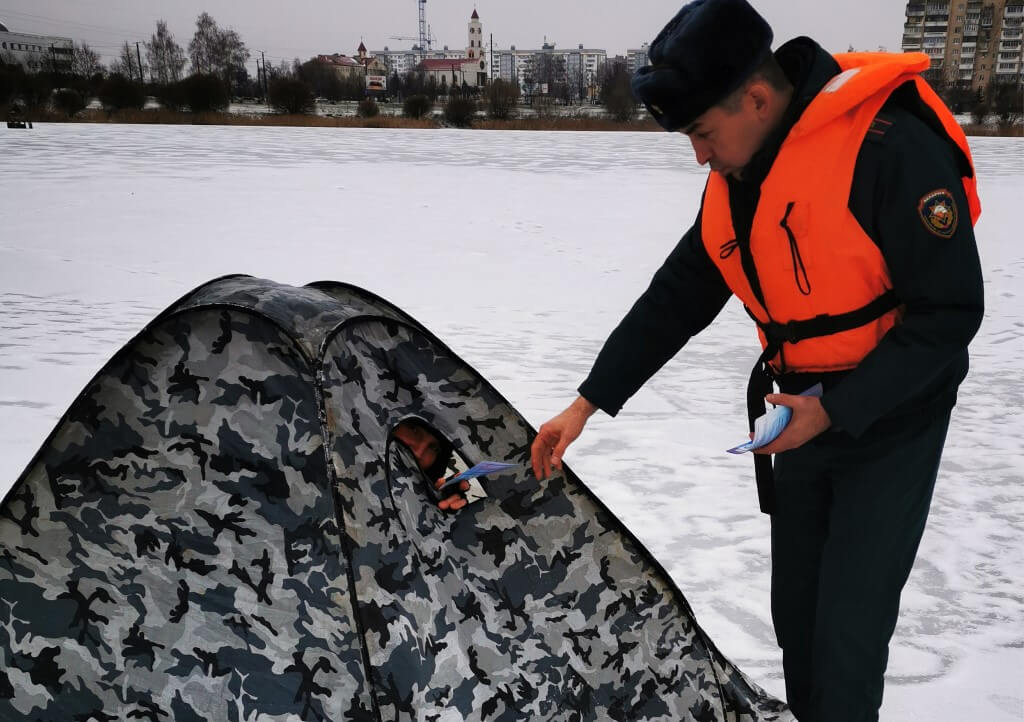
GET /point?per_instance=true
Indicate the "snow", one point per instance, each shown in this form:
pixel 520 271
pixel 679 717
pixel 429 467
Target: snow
pixel 521 251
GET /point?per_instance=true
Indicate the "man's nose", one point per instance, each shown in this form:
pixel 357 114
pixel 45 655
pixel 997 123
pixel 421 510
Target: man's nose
pixel 423 452
pixel 702 152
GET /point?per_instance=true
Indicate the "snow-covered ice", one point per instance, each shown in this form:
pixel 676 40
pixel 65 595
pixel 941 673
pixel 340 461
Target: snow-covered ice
pixel 521 251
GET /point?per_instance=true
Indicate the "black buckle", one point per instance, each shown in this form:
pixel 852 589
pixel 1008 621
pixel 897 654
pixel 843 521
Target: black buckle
pixel 789 332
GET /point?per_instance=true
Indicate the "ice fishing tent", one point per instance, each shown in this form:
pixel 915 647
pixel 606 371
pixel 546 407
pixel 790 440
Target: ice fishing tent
pixel 221 528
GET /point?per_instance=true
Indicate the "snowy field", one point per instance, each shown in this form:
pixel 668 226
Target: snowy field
pixel 521 251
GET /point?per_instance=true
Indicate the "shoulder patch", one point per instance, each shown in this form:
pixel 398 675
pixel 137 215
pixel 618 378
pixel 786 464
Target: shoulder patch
pixel 939 213
pixel 879 127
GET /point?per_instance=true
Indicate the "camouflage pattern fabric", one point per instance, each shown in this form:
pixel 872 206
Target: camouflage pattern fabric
pixel 222 528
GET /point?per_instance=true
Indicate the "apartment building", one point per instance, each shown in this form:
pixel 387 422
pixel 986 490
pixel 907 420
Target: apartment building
pixel 1010 58
pixel 971 43
pixel 35 51
pixel 582 65
pixel 637 58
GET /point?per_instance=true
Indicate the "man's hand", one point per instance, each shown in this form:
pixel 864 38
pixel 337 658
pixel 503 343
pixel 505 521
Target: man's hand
pixel 809 420
pixel 455 501
pixel 556 435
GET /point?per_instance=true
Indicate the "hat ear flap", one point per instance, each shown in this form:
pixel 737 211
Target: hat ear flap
pixel 660 90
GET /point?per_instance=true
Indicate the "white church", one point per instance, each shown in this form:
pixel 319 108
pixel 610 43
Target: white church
pixel 446 67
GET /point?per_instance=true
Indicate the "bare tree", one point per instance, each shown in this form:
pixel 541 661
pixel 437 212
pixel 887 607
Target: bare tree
pixel 1008 103
pixel 616 93
pixel 502 97
pixel 231 53
pixel 550 70
pixel 201 47
pixel 165 57
pixel 85 61
pixel 127 63
pixel 284 69
pixel 216 51
pixel 577 84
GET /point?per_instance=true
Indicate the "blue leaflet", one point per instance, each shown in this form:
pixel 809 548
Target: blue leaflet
pixel 481 469
pixel 768 427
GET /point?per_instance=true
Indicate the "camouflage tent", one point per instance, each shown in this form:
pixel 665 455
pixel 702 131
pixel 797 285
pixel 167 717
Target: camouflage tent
pixel 221 528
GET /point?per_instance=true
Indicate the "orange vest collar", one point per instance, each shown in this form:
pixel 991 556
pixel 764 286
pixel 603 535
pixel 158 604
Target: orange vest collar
pixel 863 76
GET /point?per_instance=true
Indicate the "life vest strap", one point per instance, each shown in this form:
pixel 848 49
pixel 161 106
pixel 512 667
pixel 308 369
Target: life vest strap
pixel 762 377
pixel 826 324
pixel 759 386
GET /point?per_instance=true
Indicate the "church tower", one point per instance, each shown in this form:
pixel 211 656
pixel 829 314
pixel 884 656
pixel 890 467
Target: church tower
pixel 476 38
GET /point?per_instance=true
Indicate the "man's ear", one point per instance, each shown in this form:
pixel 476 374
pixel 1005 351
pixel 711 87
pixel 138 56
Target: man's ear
pixel 761 96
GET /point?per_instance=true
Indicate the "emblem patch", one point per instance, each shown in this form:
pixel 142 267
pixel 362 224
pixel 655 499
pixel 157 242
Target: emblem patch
pixel 939 213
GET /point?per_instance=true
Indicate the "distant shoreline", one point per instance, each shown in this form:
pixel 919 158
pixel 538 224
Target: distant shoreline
pixel 553 123
pixel 168 117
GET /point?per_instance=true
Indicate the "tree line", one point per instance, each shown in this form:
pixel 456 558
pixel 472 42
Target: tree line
pixel 1000 101
pixel 216 58
pixel 210 70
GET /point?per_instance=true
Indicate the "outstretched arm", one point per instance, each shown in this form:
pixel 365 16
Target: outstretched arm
pixel 684 296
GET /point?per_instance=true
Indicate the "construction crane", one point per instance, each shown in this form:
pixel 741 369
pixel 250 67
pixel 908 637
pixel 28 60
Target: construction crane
pixel 424 35
pixel 404 37
pixel 431 38
pixel 424 43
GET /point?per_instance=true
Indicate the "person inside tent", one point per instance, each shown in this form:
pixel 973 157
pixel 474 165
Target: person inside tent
pixel 435 457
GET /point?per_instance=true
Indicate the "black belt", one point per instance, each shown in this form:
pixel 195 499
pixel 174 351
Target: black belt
pixel 762 378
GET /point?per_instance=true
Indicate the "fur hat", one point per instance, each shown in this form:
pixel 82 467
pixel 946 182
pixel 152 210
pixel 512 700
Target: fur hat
pixel 706 52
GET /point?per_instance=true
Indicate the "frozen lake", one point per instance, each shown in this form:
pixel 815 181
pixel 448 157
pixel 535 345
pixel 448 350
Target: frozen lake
pixel 521 251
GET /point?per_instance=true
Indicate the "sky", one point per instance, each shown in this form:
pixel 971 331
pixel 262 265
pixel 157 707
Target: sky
pixel 303 28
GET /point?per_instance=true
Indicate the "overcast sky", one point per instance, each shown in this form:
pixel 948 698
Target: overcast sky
pixel 286 29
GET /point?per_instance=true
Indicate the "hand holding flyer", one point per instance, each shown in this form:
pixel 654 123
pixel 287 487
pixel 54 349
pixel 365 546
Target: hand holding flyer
pixel 768 427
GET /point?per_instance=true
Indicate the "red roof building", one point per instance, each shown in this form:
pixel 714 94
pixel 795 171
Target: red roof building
pixel 345 65
pixel 456 64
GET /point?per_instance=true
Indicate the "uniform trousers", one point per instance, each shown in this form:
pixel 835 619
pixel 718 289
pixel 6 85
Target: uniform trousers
pixel 848 520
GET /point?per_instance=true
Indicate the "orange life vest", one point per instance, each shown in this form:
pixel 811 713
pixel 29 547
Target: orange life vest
pixel 827 296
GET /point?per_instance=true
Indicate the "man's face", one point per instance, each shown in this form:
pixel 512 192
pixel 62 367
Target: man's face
pixel 725 138
pixel 423 445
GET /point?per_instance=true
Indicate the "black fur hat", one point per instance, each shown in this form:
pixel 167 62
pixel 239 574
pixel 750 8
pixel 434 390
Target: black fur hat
pixel 704 53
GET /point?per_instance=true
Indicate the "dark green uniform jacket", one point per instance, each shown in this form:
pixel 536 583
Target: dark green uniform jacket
pixel 919 364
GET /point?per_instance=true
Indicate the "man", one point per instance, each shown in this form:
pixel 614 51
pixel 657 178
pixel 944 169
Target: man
pixel 433 456
pixel 839 208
